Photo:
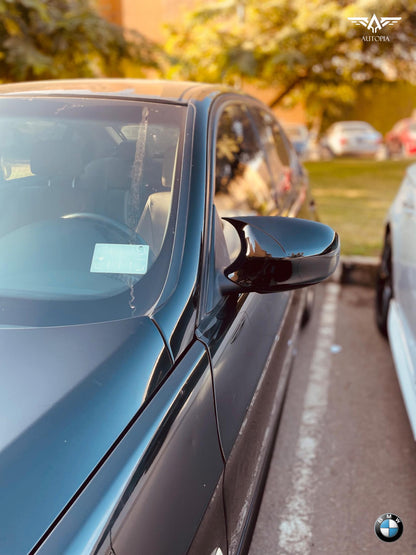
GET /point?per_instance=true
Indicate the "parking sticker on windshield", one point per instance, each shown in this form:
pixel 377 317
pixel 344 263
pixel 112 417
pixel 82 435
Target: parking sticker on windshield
pixel 120 259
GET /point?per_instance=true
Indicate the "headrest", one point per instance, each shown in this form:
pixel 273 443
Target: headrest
pixel 56 158
pixel 126 150
pixel 104 173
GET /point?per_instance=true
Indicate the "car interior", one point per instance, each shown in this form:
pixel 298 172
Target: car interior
pixel 71 185
pixel 56 181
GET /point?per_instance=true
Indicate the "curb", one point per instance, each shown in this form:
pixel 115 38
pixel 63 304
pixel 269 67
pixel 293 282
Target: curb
pixel 357 270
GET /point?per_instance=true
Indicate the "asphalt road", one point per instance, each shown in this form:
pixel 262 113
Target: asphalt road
pixel 344 452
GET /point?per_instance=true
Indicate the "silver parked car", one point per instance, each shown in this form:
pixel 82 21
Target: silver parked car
pixel 396 289
pixel 357 138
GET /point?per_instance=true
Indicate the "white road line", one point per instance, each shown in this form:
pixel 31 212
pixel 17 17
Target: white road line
pixel 295 529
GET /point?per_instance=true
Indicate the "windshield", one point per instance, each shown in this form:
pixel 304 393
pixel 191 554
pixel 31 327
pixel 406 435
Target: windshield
pixel 87 190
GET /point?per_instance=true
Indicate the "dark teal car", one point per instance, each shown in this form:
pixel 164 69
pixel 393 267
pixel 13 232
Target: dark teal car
pixel 151 266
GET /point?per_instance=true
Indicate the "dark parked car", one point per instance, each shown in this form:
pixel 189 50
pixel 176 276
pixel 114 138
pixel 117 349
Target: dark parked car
pixel 401 139
pixel 142 372
pixel 299 136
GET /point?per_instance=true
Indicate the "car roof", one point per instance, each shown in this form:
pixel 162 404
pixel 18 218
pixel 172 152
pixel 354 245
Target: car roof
pixel 352 123
pixel 176 91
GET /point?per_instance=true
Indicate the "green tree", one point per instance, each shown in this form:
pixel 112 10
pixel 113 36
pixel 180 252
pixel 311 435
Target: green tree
pixel 307 50
pixel 45 39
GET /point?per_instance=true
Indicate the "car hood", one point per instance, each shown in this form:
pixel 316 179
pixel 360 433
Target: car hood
pixel 66 395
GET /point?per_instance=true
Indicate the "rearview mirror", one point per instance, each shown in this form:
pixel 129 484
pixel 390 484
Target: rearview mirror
pixel 278 254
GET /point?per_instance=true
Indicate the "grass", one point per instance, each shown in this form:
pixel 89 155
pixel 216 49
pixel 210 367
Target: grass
pixel 353 197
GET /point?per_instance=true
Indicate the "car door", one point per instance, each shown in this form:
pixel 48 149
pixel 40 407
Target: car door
pixel 404 255
pixel 249 337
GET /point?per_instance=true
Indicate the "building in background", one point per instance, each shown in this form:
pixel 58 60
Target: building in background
pixel 111 10
pixel 149 17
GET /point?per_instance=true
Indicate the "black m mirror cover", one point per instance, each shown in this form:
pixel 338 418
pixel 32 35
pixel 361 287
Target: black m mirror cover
pixel 278 254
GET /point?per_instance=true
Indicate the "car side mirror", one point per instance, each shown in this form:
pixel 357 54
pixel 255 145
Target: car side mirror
pixel 278 254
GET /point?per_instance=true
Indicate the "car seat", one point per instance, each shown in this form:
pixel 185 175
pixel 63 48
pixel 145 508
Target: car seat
pixel 153 221
pixel 51 191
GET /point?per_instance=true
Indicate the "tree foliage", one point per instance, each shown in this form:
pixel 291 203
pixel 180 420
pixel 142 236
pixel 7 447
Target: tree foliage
pixel 44 39
pixel 306 50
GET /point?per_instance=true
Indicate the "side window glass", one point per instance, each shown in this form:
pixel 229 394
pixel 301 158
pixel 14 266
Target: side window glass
pixel 243 183
pixel 278 154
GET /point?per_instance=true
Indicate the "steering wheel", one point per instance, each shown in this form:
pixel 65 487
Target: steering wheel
pixel 108 222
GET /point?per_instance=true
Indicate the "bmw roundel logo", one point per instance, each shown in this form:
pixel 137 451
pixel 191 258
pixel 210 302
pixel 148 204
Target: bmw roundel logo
pixel 388 527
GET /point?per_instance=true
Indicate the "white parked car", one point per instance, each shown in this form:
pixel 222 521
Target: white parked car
pixel 396 289
pixel 352 138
